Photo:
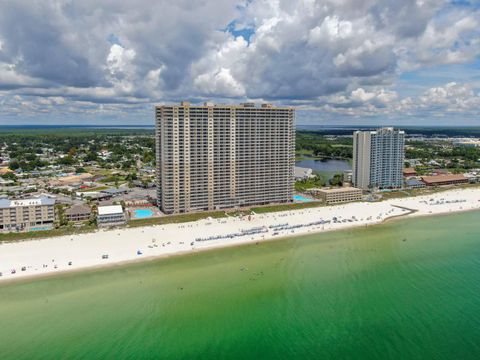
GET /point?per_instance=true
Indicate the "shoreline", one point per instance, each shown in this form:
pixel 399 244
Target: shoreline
pixel 94 268
pixel 84 249
pixel 188 252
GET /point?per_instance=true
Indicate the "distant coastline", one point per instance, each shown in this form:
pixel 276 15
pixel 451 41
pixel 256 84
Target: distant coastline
pixel 324 128
pixel 53 127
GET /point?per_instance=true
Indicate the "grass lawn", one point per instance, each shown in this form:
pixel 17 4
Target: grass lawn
pixel 70 230
pixel 174 219
pixel 304 153
pixel 112 179
pixel 341 145
pixel 105 172
pixel 316 182
pixel 395 195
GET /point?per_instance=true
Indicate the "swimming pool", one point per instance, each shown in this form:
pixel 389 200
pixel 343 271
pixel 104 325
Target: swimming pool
pixel 41 228
pixel 301 198
pixel 142 213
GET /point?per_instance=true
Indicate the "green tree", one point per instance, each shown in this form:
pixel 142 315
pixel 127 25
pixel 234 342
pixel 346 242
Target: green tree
pixel 67 160
pixel 132 176
pixel 14 165
pixel 91 156
pixel 336 180
pixel 10 176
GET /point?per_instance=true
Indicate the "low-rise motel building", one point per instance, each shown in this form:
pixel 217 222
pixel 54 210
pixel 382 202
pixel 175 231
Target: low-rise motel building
pixel 110 215
pixel 409 172
pixel 450 179
pixel 27 214
pixel 78 212
pixel 414 184
pixel 338 195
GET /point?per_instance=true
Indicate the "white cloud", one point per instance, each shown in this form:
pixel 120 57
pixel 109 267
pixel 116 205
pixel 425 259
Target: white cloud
pixel 337 55
pixel 220 83
pixel 451 97
pixel 119 60
pixel 332 29
pixel 361 95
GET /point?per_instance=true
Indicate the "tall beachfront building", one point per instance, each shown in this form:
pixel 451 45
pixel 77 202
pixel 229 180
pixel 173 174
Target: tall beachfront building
pixel 378 158
pixel 224 156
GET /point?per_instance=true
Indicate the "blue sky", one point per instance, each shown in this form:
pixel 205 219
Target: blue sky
pixel 410 62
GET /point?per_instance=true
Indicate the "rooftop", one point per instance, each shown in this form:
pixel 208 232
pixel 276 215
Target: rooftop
pixel 382 130
pixel 5 170
pixel 443 178
pixel 7 203
pixel 413 182
pixel 339 190
pixel 78 209
pixel 114 191
pixel 110 210
pixel 248 105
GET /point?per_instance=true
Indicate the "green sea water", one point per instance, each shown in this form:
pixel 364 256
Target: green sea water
pixel 404 290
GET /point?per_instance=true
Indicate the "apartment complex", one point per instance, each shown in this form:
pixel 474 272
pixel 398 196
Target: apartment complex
pixel 223 156
pixel 338 195
pixel 378 158
pixel 26 214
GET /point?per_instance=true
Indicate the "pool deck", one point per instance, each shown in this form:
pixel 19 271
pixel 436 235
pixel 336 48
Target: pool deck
pixel 154 213
pixel 302 199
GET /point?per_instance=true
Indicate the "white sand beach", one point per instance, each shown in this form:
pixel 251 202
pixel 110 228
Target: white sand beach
pixel 108 247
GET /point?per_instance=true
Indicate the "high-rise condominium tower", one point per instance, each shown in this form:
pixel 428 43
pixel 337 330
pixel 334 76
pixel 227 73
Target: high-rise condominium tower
pixel 378 158
pixel 223 156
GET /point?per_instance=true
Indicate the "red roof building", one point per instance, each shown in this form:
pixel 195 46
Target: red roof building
pixel 444 180
pixel 409 172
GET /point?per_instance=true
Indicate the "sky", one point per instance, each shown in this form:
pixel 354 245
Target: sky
pixel 339 62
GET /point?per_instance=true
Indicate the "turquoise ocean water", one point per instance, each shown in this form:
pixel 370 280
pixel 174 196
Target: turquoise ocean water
pixel 408 289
